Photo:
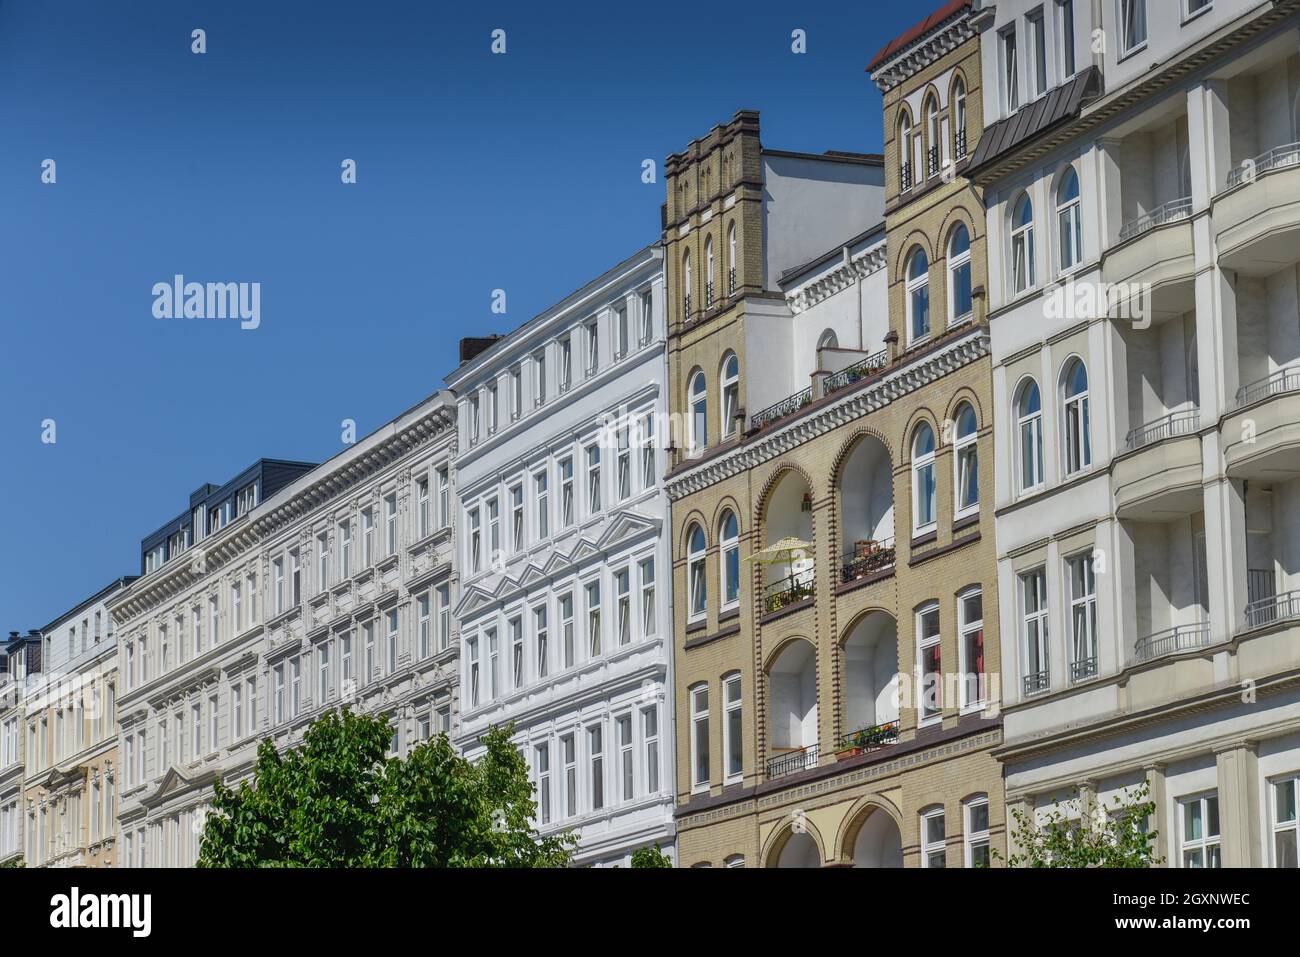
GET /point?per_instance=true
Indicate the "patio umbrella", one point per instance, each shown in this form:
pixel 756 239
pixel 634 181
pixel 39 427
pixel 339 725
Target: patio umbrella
pixel 784 551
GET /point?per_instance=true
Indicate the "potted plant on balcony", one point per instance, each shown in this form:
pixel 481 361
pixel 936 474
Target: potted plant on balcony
pixel 866 739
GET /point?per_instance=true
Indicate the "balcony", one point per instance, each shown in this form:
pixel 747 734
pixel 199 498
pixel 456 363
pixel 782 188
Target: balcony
pixel 1083 669
pixel 1036 682
pixel 791 761
pixel 1261 437
pixel 1257 216
pixel 867 558
pixel 1171 212
pixel 1280 382
pixel 862 369
pixel 1172 640
pixel 868 739
pixel 1167 426
pixel 789 591
pixel 1272 609
pixel 1279 157
pixel 787 406
pixel 1159 480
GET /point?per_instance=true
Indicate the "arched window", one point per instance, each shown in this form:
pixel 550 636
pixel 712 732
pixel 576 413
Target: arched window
pixel 1029 432
pixel 699 402
pixel 730 393
pixel 932 135
pixel 923 487
pixel 918 295
pixel 698 586
pixel 1078 440
pixel 1022 244
pixel 729 537
pixel 731 259
pixel 959 118
pixel 959 284
pixel 708 272
pixel 686 283
pixel 1069 227
pixel 905 152
pixel 966 460
pixel 828 340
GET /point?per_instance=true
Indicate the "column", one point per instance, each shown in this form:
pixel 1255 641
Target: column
pixel 1238 767
pixel 1155 775
pixel 1225 550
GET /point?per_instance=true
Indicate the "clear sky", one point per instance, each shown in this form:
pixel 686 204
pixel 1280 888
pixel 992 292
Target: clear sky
pixel 474 172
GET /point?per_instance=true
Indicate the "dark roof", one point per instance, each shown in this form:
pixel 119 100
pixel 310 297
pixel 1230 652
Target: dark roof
pixel 947 11
pixel 1061 104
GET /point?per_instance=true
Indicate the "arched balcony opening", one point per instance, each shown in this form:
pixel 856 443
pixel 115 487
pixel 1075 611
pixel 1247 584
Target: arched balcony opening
pixel 799 851
pixel 792 694
pixel 789 571
pixel 878 843
pixel 870 691
pixel 867 506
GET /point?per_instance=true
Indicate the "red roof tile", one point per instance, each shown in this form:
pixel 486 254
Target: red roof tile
pixel 949 9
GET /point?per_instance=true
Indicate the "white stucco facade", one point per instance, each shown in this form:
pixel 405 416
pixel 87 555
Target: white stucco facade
pixel 564 612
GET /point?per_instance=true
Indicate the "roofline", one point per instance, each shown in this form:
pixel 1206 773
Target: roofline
pixel 830 156
pixel 921 31
pixel 796 271
pixel 121 582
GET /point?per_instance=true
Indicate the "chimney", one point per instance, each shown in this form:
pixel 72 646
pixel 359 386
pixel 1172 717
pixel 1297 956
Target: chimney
pixel 471 346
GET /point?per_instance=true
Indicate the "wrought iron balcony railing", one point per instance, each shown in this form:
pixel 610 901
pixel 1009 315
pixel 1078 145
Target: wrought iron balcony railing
pixel 932 161
pixel 1276 383
pixel 708 294
pixel 787 406
pixel 1083 668
pixel 1036 682
pixel 1273 608
pixel 686 306
pixel 905 177
pixel 786 592
pixel 731 281
pixel 961 143
pixel 1278 157
pixel 856 372
pixel 792 761
pixel 873 737
pixel 1175 423
pixel 866 558
pixel 1169 212
pixel 1171 640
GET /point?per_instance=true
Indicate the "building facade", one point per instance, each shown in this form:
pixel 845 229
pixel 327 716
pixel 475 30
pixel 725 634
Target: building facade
pixel 308 588
pixel 565 612
pixel 20 668
pixel 1142 275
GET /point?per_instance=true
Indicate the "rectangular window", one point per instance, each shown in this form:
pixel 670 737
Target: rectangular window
pixel 593 619
pixel 733 742
pixel 422 505
pixel 475 541
pixel 934 851
pixel 540 641
pixel 648 598
pixel 277 574
pixel 566 492
pixel 700 738
pixel 323 674
pixel 543 761
pixel 1033 603
pixel 626 767
pixel 251 685
pixel 593 479
pixel 391 640
pixel 252 599
pixel 649 468
pixel 647 318
pixel 295 584
pixel 566 629
pixel 1065 30
pixel 1010 70
pixel 620 331
pixel 624 465
pixel 279 694
pixel 1200 831
pixel 929 671
pixel 1133 25
pixel 322 562
pixel 444 617
pixel 566 363
pixel 541 491
pixel 539 378
pixel 1083 617
pixel 371 662
pixel 517 518
pixel 295 686
pixel 367 537
pixel 593 349
pixel 236 712
pixel 426 625
pixel 623 595
pixel 516 393
pixel 569 763
pixel 444 498
pixel 493 665
pixel 1037 53
pixel 214 620
pixel 977 833
pixel 347 677
pixel 390 519
pixel 650 741
pixel 213 741
pixel 516 653
pixel 596 751
pixel 970 625
pixel 1285 823
pixel 473 668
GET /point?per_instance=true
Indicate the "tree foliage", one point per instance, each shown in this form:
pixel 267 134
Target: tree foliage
pixel 338 800
pixel 1116 835
pixel 650 856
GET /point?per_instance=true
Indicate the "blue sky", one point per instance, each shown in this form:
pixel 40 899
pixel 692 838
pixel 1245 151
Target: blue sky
pixel 475 172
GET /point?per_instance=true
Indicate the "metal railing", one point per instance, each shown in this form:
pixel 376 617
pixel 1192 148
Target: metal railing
pixel 708 294
pixel 855 373
pixel 792 761
pixel 1261 584
pixel 788 405
pixel 1272 608
pixel 731 281
pixel 1175 423
pixel 932 161
pixel 905 177
pixel 961 142
pixel 786 592
pixel 1276 383
pixel 1279 157
pixel 1171 640
pixel 858 562
pixel 1169 212
pixel 1083 668
pixel 873 737
pixel 1036 682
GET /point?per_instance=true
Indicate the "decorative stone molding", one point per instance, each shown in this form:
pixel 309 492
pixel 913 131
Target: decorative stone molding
pixel 838 279
pixel 926 50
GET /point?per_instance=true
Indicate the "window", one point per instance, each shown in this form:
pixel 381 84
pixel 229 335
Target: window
pixel 1070 226
pixel 593 479
pixel 345 549
pixel 623 597
pixel 647 318
pixel 236 712
pixel 960 302
pixel 390 520
pixel 391 640
pixel 977 832
pixel 650 741
pixel 252 705
pixel 473 677
pixel 929 673
pixel 323 674
pixel 648 598
pixel 444 497
pixel 730 394
pixel 491 395
pixel 475 540
pixel 1083 617
pixel 731 258
pixel 699 404
pixel 626 766
pixel 367 537
pixel 733 743
pixel 1078 439
pixel 1029 431
pixel 539 378
pixel 970 644
pixel 624 469
pixel 1065 30
pixel 1022 244
pixel 1194 7
pixel 322 562
pixel 905 152
pixel 566 629
pixel 371 663
pixel 424 607
pixel 279 694
pixel 569 764
pixel 959 118
pixel 596 752
pixel 934 850
pixel 295 686
pixel 347 678
pixel 543 762
pixel 422 505
pixel 542 502
pixel 923 485
pixel 918 295
pixel 1132 25
pixel 730 565
pixel 700 738
pixel 708 271
pixel 1033 602
pixel 517 518
pixel 620 331
pixel 686 283
pixel 214 619
pixel 1200 844
pixel 966 461
pixel 932 137
pixel 493 665
pixel 1037 53
pixel 473 419
pixel 649 469
pixel 593 619
pixel 566 492
pixel 516 653
pixel 1285 822
pixel 540 641
pixel 516 393
pixel 593 348
pixel 1010 71
pixel 566 363
pixel 698 585
pixel 444 617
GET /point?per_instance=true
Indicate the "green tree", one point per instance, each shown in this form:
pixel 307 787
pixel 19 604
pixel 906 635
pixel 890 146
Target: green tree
pixel 337 800
pixel 1113 836
pixel 650 856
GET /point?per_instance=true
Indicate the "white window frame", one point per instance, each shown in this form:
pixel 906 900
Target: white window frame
pixel 973 838
pixel 915 286
pixel 1083 611
pixel 1029 439
pixel 1035 636
pixel 1132 16
pixel 1076 423
pixel 924 464
pixel 933 848
pixel 1022 259
pixel 728 545
pixel 1280 828
pixel 965 461
pixel 1207 845
pixel 958 262
pixel 925 716
pixel 700 763
pixel 1069 223
pixel 968 626
pixel 698 403
pixel 730 387
pixel 732 738
pixel 696 574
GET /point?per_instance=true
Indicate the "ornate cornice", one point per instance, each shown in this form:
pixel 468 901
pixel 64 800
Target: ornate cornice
pixel 927 50
pixel 821 419
pixel 849 271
